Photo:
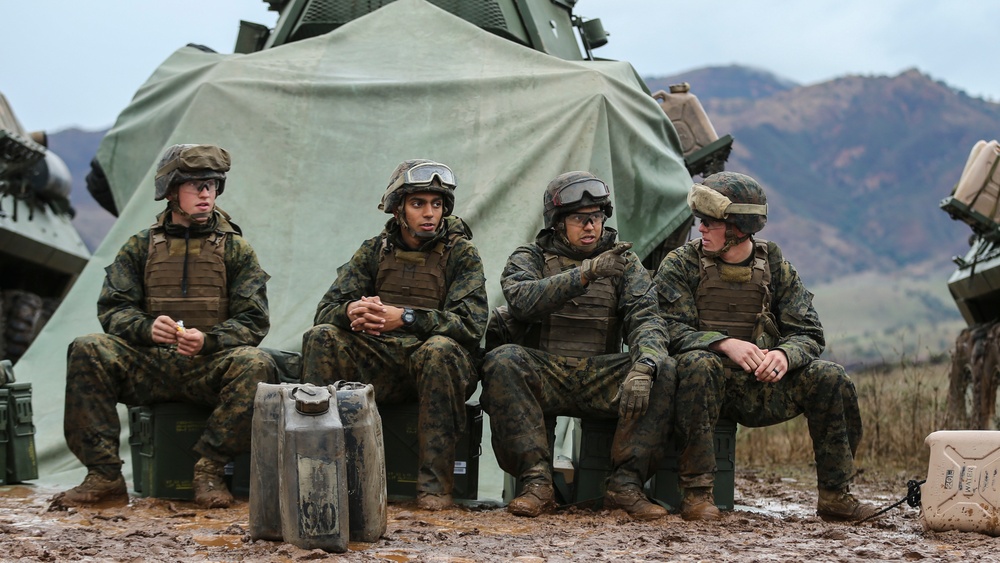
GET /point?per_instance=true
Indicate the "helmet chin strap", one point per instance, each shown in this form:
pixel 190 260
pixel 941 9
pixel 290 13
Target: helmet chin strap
pixel 421 235
pixel 193 217
pixel 731 241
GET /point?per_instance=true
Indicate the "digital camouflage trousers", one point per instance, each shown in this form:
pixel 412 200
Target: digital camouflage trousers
pixel 522 387
pixel 821 391
pixel 438 374
pixel 104 370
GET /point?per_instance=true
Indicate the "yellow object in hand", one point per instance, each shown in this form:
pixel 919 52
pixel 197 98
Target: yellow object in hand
pixel 180 326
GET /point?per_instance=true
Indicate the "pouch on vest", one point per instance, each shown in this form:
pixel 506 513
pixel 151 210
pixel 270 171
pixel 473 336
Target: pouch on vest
pixel 502 328
pixel 765 332
pixel 975 200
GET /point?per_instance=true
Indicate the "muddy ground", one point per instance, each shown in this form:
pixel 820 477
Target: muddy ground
pixel 774 521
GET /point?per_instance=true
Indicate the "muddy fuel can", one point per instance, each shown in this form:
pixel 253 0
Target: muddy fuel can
pixel 366 480
pixel 265 515
pixel 961 491
pixel 312 488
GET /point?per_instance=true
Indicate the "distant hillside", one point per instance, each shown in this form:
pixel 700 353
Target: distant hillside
pixel 732 81
pixel 854 167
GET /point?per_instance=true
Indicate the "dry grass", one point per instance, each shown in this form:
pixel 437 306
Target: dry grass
pixel 900 405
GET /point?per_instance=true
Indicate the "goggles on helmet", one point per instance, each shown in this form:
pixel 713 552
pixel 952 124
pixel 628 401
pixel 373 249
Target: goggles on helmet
pixel 574 192
pixel 424 174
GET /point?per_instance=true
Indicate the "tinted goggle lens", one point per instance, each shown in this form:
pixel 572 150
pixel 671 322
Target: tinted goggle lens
pixel 574 192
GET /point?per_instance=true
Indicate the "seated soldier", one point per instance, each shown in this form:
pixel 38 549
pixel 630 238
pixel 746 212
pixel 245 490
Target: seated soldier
pixel 747 341
pixel 406 314
pixel 183 306
pixel 579 293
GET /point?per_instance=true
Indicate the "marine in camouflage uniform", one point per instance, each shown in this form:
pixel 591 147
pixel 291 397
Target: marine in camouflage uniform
pixel 406 314
pixel 747 341
pixel 183 306
pixel 572 295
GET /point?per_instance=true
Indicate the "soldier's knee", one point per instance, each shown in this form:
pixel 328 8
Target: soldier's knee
pixel 499 361
pixel 322 337
pixel 256 363
pixel 829 373
pixel 698 365
pixel 438 349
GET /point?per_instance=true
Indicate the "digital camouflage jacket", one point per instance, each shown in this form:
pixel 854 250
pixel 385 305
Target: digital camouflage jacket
pixel 465 311
pixel 121 305
pixel 677 281
pixel 531 296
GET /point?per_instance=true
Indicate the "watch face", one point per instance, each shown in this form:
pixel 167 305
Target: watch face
pixel 408 316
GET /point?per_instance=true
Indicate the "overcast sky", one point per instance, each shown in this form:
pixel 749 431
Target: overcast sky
pixel 66 63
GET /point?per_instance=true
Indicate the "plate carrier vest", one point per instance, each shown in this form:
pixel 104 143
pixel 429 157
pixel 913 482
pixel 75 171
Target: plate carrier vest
pixel 586 325
pixel 207 301
pixel 414 278
pixel 730 307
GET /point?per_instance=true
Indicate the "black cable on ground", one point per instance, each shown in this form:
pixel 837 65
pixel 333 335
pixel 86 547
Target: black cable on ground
pixel 912 498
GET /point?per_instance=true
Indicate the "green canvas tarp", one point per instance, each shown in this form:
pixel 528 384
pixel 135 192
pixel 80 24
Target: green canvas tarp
pixel 316 127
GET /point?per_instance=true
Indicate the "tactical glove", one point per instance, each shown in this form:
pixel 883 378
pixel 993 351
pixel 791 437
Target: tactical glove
pixel 608 263
pixel 634 392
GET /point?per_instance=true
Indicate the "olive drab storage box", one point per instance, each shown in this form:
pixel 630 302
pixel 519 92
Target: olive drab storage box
pixel 399 427
pixel 22 462
pixel 162 438
pixel 4 438
pixel 592 466
pixel 976 197
pixel 665 489
pixel 961 491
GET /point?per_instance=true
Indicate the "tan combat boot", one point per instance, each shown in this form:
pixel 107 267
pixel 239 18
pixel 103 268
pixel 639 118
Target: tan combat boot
pixel 699 504
pixel 634 502
pixel 538 497
pixel 842 506
pixel 97 490
pixel 209 487
pixel 434 501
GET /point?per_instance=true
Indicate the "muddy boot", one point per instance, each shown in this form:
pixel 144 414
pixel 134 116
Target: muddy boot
pixel 434 501
pixel 209 487
pixel 538 497
pixel 634 502
pixel 699 504
pixel 842 506
pixel 97 490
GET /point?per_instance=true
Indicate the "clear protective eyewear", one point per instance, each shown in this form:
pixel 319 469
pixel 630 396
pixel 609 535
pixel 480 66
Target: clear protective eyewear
pixel 195 187
pixel 574 192
pixel 424 174
pixel 582 219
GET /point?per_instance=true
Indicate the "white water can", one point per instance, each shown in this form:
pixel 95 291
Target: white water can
pixel 961 491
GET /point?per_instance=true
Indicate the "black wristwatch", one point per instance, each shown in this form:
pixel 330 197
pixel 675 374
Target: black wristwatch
pixel 408 317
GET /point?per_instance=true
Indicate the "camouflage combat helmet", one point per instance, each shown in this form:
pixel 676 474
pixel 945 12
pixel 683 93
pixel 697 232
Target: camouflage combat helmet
pixel 416 176
pixel 731 197
pixel 182 163
pixel 571 191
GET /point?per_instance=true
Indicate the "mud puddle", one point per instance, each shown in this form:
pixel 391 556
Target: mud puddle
pixel 774 522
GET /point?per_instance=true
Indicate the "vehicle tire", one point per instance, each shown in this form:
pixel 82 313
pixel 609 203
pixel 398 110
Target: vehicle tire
pixel 23 309
pixel 3 331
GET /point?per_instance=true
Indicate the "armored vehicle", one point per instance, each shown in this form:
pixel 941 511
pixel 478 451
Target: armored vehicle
pixel 41 252
pixel 975 286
